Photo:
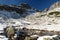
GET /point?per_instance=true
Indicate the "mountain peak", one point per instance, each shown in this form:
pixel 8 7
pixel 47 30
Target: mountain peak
pixel 55 5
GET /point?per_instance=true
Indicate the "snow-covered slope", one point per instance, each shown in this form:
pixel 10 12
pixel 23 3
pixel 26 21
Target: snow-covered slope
pixel 34 20
pixel 42 21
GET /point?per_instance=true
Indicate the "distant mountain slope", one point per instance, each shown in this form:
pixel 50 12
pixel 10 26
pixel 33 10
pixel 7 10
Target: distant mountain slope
pixel 32 18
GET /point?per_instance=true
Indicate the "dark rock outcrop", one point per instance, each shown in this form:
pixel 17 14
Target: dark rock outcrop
pixel 19 9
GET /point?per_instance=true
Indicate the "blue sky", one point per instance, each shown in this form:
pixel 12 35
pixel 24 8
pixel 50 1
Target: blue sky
pixel 39 4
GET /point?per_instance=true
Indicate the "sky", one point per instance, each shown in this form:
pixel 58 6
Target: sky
pixel 39 4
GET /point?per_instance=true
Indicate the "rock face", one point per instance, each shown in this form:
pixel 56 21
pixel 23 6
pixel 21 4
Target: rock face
pixel 13 15
pixel 31 19
pixel 55 5
pixel 18 9
pixel 43 20
pixel 37 20
pixel 46 22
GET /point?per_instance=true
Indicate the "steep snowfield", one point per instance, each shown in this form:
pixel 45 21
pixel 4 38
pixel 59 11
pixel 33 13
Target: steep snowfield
pixel 11 19
pixel 34 21
pixel 37 20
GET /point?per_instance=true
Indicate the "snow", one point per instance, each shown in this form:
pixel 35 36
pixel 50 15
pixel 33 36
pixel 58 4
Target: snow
pixel 34 35
pixel 55 9
pixel 33 21
pixel 30 22
pixel 3 38
pixel 42 37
